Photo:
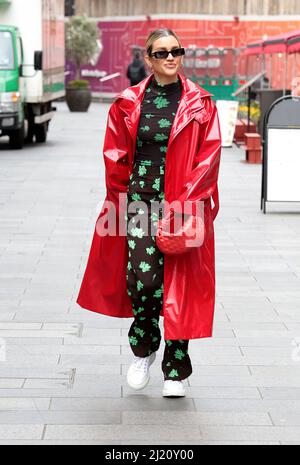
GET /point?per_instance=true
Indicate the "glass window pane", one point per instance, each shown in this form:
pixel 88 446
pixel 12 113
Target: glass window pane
pixel 6 50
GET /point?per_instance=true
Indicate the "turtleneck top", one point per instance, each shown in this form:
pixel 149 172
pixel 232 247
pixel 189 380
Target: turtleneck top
pixel 158 110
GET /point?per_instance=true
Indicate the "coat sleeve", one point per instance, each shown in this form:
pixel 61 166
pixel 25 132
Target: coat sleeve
pixel 115 151
pixel 202 182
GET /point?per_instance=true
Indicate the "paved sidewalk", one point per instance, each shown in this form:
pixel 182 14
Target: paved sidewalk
pixel 63 380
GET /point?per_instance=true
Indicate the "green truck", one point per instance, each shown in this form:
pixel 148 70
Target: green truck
pixel 32 67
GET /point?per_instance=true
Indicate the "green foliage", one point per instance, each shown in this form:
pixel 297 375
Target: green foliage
pixel 255 111
pixel 81 40
pixel 79 84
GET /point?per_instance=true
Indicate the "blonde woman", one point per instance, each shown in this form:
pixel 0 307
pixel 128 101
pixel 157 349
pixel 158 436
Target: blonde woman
pixel 162 143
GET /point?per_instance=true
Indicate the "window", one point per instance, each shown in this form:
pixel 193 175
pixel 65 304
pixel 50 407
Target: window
pixel 69 7
pixel 6 50
pixel 20 51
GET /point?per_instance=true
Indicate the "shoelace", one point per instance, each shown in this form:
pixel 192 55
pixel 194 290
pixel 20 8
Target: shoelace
pixel 141 363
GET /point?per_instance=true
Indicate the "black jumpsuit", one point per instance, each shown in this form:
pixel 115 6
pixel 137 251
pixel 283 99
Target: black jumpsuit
pixel 146 262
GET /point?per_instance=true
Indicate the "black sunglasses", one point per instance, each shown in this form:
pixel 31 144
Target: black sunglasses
pixel 176 52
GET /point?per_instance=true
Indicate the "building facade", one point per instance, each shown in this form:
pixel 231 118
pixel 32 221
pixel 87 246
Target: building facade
pixel 231 24
pixel 101 8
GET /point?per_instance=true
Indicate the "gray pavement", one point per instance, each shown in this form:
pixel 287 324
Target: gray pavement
pixel 62 368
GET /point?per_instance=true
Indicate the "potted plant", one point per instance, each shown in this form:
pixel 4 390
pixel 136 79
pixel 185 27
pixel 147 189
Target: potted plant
pixel 81 45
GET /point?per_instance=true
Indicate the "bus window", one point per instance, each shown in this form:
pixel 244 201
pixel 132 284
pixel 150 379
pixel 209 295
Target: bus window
pixel 200 63
pixel 189 62
pixel 241 63
pixel 214 62
pixel 229 63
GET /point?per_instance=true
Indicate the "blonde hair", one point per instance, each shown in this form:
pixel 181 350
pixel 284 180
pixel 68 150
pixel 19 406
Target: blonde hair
pixel 157 34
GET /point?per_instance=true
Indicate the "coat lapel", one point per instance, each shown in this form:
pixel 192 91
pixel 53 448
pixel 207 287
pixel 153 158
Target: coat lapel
pixel 190 106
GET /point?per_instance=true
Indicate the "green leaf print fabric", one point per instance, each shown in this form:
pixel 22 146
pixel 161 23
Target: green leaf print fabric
pixel 158 110
pixel 144 274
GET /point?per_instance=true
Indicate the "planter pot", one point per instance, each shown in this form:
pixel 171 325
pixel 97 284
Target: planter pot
pixel 78 99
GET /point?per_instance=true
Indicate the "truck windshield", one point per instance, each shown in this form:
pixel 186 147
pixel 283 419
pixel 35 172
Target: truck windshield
pixel 6 50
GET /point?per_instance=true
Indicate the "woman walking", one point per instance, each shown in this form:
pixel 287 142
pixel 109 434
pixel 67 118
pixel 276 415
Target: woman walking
pixel 162 143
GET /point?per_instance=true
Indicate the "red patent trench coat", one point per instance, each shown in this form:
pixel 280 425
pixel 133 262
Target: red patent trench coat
pixel 191 173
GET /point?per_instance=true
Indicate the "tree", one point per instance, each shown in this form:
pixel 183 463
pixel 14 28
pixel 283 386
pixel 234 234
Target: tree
pixel 81 41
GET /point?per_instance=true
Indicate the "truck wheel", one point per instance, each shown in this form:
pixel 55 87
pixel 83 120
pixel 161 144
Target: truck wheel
pixel 30 133
pixel 17 138
pixel 41 132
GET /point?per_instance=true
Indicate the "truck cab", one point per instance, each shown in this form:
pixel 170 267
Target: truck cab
pixel 32 61
pixel 11 93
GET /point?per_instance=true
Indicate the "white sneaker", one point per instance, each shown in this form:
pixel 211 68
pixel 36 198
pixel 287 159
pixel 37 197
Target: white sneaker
pixel 138 375
pixel 173 388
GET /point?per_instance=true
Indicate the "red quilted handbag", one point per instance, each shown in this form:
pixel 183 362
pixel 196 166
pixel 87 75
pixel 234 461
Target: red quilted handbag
pixel 178 242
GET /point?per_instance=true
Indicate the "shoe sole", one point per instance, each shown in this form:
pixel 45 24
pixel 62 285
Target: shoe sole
pixel 138 387
pixel 166 394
